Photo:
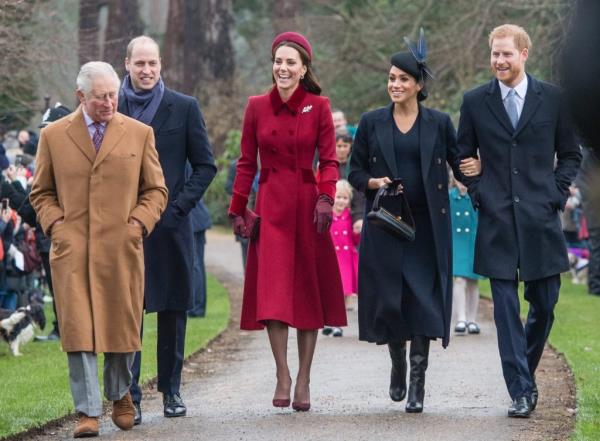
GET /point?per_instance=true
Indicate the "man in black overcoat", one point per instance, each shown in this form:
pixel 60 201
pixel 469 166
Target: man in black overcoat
pixel 181 138
pixel 529 158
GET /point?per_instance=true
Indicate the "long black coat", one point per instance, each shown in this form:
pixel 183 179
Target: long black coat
pixel 380 261
pixel 181 137
pixel 520 189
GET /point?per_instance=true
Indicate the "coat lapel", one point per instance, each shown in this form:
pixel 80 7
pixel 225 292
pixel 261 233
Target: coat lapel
pixel 427 134
pixel 384 130
pixel 79 134
pixel 112 136
pixel 163 112
pixel 533 99
pixel 494 102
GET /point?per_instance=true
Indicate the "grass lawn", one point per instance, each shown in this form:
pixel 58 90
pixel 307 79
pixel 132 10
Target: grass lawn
pixel 35 387
pixel 576 333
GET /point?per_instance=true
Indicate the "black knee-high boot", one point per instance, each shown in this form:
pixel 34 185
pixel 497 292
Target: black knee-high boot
pixel 398 375
pixel 419 355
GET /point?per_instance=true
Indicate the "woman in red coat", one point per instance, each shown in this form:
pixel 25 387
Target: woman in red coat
pixel 292 278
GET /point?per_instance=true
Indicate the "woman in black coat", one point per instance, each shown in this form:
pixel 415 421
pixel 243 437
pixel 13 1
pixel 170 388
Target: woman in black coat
pixel 405 288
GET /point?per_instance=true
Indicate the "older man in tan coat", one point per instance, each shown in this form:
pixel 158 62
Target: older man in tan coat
pixel 98 189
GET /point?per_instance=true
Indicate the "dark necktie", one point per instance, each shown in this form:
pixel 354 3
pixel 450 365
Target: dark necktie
pixel 98 136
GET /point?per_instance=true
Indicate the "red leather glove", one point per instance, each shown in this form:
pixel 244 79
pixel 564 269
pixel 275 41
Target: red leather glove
pixel 239 226
pixel 323 213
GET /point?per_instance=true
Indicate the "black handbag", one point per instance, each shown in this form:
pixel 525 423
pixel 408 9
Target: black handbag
pixel 391 212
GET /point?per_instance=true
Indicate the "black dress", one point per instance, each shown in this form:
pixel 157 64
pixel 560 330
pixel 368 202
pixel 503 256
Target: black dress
pixel 407 300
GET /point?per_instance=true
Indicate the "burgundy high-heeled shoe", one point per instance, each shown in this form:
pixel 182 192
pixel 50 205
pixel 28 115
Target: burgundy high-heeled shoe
pixel 301 407
pixel 281 402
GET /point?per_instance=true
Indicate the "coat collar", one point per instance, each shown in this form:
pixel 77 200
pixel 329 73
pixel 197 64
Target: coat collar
pixel 78 132
pixel 384 131
pixel 533 99
pixel 293 104
pixel 162 113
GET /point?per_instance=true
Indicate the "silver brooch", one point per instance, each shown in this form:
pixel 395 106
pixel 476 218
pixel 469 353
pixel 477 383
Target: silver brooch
pixel 307 109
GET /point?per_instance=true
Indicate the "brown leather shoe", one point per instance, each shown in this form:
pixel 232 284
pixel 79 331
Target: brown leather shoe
pixel 86 427
pixel 123 412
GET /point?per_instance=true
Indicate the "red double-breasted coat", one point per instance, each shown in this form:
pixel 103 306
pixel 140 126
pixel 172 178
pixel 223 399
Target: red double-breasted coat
pixel 291 270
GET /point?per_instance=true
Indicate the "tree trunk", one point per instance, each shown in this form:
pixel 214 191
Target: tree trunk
pixel 89 14
pixel 123 24
pixel 284 16
pixel 173 51
pixel 199 60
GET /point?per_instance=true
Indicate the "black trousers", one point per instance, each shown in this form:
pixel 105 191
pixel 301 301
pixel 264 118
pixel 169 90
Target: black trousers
pixel 170 344
pixel 521 347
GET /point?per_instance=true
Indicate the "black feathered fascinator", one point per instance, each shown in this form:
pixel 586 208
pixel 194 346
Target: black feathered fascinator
pixel 414 62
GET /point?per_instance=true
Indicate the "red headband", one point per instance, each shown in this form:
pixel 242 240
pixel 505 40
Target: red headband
pixel 293 37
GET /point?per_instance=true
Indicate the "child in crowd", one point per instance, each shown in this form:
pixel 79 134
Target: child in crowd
pixel 466 289
pixel 344 241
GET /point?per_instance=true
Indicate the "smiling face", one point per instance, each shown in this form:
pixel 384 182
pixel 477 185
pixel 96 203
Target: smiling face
pixel 402 87
pixel 342 150
pixel 507 61
pixel 342 201
pixel 288 69
pixel 144 65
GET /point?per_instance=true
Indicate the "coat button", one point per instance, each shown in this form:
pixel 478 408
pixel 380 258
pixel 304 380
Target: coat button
pixel 440 186
pixel 466 213
pixel 439 160
pixel 516 199
pixel 291 132
pixel 514 144
pixel 274 150
pixel 458 230
pixel 467 230
pixel 515 171
pixel 274 169
pixel 274 132
pixel 374 159
pixel 458 213
pixel 443 210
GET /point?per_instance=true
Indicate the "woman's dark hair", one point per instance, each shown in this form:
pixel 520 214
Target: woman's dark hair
pixel 309 82
pixel 344 137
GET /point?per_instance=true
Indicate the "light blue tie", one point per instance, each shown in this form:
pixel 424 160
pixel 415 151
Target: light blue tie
pixel 510 103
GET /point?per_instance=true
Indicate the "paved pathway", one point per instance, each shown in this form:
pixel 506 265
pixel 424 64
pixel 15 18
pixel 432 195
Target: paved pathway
pixel 228 389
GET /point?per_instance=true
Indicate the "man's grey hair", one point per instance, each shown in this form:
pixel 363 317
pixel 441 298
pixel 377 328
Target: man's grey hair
pixel 92 70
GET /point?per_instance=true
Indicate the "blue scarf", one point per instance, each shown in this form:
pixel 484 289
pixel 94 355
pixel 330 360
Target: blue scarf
pixel 142 105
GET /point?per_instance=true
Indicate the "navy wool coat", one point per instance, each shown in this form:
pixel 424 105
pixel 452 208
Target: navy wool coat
pixel 524 181
pixel 181 138
pixel 380 261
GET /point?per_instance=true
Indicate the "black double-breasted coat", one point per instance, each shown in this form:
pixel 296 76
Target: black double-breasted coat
pixel 381 316
pixel 524 181
pixel 181 138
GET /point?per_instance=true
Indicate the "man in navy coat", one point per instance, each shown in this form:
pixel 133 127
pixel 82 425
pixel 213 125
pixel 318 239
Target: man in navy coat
pixel 529 158
pixel 180 139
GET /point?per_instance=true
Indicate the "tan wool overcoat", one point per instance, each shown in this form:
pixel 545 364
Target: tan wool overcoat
pixel 97 256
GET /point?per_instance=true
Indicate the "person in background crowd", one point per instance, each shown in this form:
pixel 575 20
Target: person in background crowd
pixel 181 139
pixel 343 151
pixel 341 124
pixel 292 277
pixel 529 157
pixel 200 223
pixel 570 218
pixel 465 291
pixel 44 243
pixel 97 255
pixel 405 288
pixel 344 241
pixel 588 182
pixel 231 171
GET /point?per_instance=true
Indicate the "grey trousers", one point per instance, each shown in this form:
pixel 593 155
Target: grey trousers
pixel 83 378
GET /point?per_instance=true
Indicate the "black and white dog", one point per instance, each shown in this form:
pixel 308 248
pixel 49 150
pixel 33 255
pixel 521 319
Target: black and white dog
pixel 17 327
